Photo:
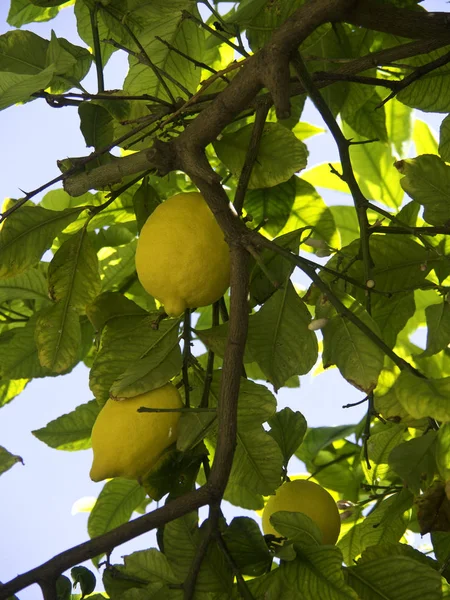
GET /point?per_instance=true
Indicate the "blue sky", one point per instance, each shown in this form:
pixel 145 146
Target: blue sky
pixel 37 498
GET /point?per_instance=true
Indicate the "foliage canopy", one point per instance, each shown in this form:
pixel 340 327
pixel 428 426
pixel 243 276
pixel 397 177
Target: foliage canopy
pixel 213 101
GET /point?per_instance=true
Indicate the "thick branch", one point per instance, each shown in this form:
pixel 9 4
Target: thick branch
pixel 415 24
pixel 105 543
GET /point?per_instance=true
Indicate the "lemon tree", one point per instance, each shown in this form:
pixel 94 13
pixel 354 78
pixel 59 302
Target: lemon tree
pixel 211 248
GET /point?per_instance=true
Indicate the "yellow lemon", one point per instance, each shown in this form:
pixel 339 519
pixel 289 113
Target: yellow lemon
pixel 182 258
pixel 308 498
pixel 127 443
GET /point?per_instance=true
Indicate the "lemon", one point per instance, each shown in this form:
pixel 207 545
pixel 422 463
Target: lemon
pixel 310 499
pixel 127 443
pixel 182 258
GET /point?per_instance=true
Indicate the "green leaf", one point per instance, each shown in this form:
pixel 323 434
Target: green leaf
pixel 414 461
pixel 438 323
pixel 444 139
pixel 181 540
pixel 63 588
pixel 426 180
pixel 150 566
pixel 385 524
pixel 442 454
pixel 392 314
pixel 279 267
pixel 257 462
pixel 74 281
pixel 272 204
pixel 114 506
pixel 160 361
pixel 424 397
pixel 399 125
pixel 379 448
pixel 27 234
pixel 84 28
pixel 145 200
pixel 309 210
pixel 280 154
pixel 10 389
pixel 165 20
pixel 22 12
pixel 109 306
pixel 57 56
pixel 58 337
pixel 116 264
pixel 16 88
pixel 346 221
pixel 298 527
pixel 84 577
pixel 318 438
pixel 374 170
pixel 279 338
pixel 247 546
pixel 18 353
pixel 424 138
pixel 317 574
pixel 369 120
pixel 31 285
pixel 288 429
pixel 431 92
pixel 394 578
pixel 96 125
pixel 71 431
pixel 23 53
pixel 7 460
pixel 357 357
pixel 116 354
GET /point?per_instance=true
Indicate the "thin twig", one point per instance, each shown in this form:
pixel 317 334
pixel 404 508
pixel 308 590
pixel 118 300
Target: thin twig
pixel 186 355
pixel 142 55
pixel 188 15
pixel 251 155
pixel 208 535
pixel 210 363
pixel 193 409
pixel 338 305
pixel 417 74
pixel 348 175
pixel 366 433
pixel 241 583
pixel 194 61
pixel 97 50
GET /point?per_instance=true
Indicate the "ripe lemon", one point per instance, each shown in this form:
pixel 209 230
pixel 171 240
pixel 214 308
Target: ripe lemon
pixel 127 443
pixel 182 258
pixel 308 498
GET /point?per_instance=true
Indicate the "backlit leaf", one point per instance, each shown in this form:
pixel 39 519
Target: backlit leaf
pixel 7 460
pixel 424 397
pixel 71 431
pixel 426 179
pixel 279 338
pixel 280 154
pixel 27 234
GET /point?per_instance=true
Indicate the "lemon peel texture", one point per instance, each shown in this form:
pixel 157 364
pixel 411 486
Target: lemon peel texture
pixel 127 443
pixel 308 498
pixel 182 258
